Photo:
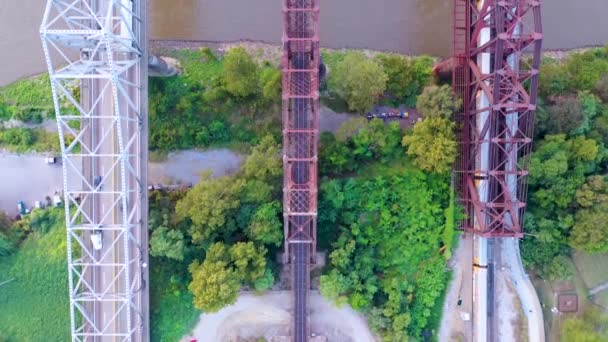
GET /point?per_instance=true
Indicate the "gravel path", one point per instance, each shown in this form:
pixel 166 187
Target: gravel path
pixel 268 315
pixel 27 178
pixel 186 166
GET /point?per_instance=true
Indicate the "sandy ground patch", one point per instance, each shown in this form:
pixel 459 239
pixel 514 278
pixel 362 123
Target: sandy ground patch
pixel 269 316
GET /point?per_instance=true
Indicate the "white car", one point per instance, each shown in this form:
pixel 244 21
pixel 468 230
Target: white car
pixel 50 160
pixel 97 239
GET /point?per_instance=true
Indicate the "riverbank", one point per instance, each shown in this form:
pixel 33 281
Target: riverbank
pixel 344 24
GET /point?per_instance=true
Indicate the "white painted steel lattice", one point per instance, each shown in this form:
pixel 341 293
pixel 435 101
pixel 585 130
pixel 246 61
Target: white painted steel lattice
pixel 97 61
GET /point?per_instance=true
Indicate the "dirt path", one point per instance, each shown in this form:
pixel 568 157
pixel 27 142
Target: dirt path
pixel 268 315
pixel 186 166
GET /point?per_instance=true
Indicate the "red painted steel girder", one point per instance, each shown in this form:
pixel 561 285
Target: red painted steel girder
pixel 300 122
pixel 511 90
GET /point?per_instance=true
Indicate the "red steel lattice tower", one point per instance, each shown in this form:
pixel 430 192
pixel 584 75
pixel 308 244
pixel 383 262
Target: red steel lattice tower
pixel 496 119
pixel 300 145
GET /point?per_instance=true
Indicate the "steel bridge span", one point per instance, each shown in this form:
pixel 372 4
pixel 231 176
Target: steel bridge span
pixel 300 65
pixel 498 85
pixel 96 53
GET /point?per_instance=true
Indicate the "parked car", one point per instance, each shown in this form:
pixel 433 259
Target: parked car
pixel 97 181
pixel 50 160
pixel 97 239
pixel 21 207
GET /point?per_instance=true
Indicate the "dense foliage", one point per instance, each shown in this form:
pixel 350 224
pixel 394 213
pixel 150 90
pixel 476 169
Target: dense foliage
pixel 406 76
pixel 438 101
pixel 362 82
pixel 396 287
pixel 27 139
pixel 359 81
pixel 567 195
pixel 216 101
pixel 232 221
pixel 590 327
pixel 433 144
pixel 29 100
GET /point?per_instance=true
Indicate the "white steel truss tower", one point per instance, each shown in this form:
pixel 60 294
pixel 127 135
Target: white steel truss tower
pixel 96 52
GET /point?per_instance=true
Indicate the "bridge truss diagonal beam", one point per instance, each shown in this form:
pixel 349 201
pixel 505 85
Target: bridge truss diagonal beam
pixel 96 55
pixel 300 98
pixel 495 132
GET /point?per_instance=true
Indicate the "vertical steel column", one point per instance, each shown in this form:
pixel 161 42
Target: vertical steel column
pixel 510 87
pixel 300 145
pixel 96 56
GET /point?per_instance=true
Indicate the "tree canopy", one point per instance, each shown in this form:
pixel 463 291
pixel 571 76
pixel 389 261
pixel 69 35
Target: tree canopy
pixel 432 144
pixel 207 204
pixel 359 81
pixel 217 280
pixel 406 76
pixel 369 269
pixel 438 101
pixel 241 73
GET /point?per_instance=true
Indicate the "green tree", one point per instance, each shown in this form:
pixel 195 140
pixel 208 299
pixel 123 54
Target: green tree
pixel 249 260
pixel 406 76
pixel 168 243
pixel 591 327
pixel 359 81
pixel 438 102
pixel 264 163
pixel 589 233
pixel 377 140
pixel 586 69
pixel 565 116
pixel 240 73
pixel 335 157
pixel 334 287
pixel 593 192
pixel 554 78
pixel 265 282
pixel 214 283
pixel 601 87
pixel 265 226
pixel 208 204
pixel 270 82
pixel 432 144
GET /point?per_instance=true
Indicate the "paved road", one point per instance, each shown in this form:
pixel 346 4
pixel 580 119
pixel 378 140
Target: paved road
pixel 26 177
pixel 525 290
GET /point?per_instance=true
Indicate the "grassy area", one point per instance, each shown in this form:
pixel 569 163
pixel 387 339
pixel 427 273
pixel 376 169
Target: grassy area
pixel 592 268
pixel 23 140
pixel 172 314
pixel 33 91
pixel 34 307
pixel 27 100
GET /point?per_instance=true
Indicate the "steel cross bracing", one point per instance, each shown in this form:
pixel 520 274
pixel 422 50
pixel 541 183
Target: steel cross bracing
pixel 97 60
pixel 300 144
pixel 504 136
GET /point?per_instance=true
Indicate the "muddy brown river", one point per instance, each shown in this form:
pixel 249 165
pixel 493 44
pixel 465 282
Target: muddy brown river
pixel 407 26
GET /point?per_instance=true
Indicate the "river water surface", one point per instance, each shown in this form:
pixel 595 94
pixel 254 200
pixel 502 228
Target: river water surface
pixel 407 26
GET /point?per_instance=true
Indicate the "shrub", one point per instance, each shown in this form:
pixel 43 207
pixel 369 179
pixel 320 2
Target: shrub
pixel 240 73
